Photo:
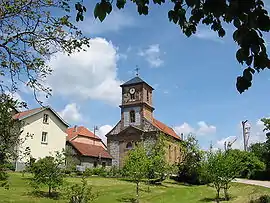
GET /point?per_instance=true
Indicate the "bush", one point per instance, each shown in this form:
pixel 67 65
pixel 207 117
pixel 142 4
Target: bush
pixel 99 171
pixel 114 172
pixel 262 199
pixel 88 172
pixel 10 166
pixel 260 175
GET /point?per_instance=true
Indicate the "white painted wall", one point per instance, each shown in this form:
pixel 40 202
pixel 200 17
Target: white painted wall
pixel 35 126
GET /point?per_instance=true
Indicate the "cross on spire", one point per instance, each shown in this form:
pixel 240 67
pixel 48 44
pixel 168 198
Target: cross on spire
pixel 137 71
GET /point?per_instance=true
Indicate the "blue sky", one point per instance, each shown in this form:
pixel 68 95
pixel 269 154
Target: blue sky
pixel 194 78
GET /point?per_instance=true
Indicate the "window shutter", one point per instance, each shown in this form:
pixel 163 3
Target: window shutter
pixel 126 119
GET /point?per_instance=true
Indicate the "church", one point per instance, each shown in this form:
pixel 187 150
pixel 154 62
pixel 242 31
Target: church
pixel 137 123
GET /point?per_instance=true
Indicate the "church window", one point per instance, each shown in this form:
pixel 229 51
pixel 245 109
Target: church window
pixel 132 116
pixel 147 96
pixel 129 145
pixel 132 96
pixel 170 153
pixel 175 154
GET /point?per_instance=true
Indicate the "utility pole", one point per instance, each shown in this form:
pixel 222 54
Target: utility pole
pixel 95 129
pixel 246 133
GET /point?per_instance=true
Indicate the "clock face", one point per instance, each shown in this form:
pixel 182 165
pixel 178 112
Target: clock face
pixel 132 90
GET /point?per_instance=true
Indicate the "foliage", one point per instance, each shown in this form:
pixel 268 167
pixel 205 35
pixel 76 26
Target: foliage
pixel 222 168
pixel 79 193
pixel 136 165
pixel 259 150
pixel 157 166
pixel 190 168
pixel 30 34
pixel 47 171
pixel 249 163
pixel 249 18
pixel 260 175
pixel 262 199
pixel 69 159
pixel 98 171
pixel 115 172
pixel 10 134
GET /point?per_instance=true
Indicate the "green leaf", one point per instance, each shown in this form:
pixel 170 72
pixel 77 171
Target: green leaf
pixel 120 4
pixel 221 32
pixel 96 10
pixel 247 75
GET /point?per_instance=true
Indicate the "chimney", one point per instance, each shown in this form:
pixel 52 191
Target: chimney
pixel 182 136
pixel 75 128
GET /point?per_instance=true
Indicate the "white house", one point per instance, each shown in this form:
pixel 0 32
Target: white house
pixel 44 132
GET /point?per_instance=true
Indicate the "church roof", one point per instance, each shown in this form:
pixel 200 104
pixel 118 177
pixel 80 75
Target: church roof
pixel 134 81
pixel 165 129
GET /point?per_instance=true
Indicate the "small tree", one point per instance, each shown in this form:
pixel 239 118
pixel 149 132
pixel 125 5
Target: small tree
pixel 80 193
pixel 221 169
pixel 136 165
pixel 47 171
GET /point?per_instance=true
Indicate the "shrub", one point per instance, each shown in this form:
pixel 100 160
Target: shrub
pixel 114 172
pixel 99 171
pixel 79 193
pixel 260 175
pixel 10 166
pixel 262 199
pixel 88 172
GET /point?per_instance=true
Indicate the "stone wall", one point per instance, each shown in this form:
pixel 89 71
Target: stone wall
pixel 113 149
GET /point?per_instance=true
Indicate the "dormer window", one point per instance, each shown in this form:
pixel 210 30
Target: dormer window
pixel 132 116
pixel 132 96
pixel 46 118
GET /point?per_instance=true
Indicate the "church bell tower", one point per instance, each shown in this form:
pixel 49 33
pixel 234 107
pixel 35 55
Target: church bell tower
pixel 137 102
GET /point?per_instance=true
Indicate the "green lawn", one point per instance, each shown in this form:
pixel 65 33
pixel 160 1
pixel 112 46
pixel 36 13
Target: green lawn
pixel 115 191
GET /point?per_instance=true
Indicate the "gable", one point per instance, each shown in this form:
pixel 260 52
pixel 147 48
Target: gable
pixel 32 112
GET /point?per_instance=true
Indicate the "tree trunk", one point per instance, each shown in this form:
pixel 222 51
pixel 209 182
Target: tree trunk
pixel 137 192
pixel 226 194
pixel 50 190
pixel 217 198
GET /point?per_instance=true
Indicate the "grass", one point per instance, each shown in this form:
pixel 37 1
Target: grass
pixel 117 191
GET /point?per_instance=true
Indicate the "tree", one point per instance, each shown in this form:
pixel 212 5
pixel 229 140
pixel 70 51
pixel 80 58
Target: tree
pixel 80 193
pixel 221 169
pixel 189 169
pixel 30 35
pixel 259 150
pixel 47 171
pixel 9 134
pixel 249 18
pixel 136 166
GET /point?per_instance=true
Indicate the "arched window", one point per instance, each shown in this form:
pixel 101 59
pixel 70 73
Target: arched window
pixel 132 116
pixel 147 96
pixel 170 155
pixel 175 154
pixel 129 145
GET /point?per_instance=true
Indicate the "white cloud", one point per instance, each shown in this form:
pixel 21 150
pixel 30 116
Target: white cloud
pixel 208 34
pixel 114 22
pixel 102 131
pixel 202 129
pixel 90 74
pixel 152 55
pixel 71 113
pixel 205 129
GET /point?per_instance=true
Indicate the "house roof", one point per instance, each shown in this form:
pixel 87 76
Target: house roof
pixel 165 129
pixel 25 114
pixel 79 130
pixel 90 150
pixel 134 81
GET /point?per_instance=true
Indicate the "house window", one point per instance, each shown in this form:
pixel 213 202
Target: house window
pixel 103 164
pixel 95 164
pixel 147 96
pixel 44 138
pixel 46 118
pixel 129 145
pixel 132 116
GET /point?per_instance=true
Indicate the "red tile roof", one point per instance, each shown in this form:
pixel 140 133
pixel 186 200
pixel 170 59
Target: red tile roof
pixel 26 113
pixel 90 150
pixel 82 131
pixel 165 129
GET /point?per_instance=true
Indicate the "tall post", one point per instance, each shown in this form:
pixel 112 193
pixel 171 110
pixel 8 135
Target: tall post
pixel 244 134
